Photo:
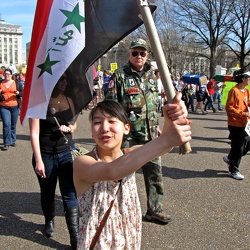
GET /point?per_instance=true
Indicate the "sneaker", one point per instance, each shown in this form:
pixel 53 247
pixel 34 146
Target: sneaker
pixel 204 112
pixel 5 147
pixel 158 216
pixel 13 145
pixel 236 175
pixel 226 160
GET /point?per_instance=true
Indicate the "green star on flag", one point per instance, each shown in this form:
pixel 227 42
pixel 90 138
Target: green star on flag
pixel 73 17
pixel 46 66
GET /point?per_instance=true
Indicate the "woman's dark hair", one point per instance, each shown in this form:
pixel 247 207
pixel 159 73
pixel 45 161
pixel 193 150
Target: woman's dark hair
pixel 239 74
pixel 112 108
pixel 9 70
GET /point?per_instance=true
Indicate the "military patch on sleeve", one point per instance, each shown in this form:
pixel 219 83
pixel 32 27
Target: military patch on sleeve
pixel 111 84
pixel 152 81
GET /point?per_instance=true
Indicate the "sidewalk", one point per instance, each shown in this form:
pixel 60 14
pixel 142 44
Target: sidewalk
pixel 210 209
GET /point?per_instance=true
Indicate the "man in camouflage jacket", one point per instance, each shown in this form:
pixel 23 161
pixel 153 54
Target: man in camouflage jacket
pixel 135 87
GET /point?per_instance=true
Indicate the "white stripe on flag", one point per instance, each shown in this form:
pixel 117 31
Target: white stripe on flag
pixel 60 45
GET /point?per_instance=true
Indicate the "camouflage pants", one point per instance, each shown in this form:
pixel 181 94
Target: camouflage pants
pixel 152 172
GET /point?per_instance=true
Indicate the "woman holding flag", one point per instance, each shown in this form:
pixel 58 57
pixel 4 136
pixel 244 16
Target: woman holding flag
pixel 104 178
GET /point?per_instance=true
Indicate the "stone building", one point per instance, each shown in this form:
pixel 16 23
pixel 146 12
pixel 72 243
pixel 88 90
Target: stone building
pixel 10 44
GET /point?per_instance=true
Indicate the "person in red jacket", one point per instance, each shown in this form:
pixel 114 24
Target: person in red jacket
pixel 238 111
pixel 210 100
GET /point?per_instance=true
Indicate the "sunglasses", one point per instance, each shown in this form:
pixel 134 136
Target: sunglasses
pixel 136 53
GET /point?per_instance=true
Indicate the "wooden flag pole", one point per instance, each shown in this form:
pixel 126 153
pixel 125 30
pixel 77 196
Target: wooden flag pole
pixel 159 57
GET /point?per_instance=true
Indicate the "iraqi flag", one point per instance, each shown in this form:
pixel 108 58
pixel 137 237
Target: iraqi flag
pixel 68 37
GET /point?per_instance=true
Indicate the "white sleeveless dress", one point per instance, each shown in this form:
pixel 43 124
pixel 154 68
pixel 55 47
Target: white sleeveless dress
pixel 123 226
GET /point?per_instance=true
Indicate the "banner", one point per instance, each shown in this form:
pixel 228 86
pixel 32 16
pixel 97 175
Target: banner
pixel 67 38
pixel 226 89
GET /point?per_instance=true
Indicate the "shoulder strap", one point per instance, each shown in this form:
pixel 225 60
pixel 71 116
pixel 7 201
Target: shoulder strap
pixel 103 221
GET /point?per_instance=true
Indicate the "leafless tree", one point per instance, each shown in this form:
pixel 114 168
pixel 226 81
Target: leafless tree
pixel 207 20
pixel 173 39
pixel 225 57
pixel 239 34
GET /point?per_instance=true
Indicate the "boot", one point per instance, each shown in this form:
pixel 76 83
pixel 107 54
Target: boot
pixel 49 214
pixel 72 220
pixel 49 228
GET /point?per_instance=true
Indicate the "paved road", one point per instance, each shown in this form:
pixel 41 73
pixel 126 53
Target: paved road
pixel 211 210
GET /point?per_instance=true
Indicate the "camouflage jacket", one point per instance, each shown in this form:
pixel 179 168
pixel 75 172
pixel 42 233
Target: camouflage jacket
pixel 139 94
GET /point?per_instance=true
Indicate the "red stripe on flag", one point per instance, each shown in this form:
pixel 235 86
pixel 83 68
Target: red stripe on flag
pixel 40 22
pixel 95 73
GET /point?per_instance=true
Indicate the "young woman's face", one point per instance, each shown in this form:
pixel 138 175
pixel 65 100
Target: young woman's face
pixel 62 84
pixel 108 131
